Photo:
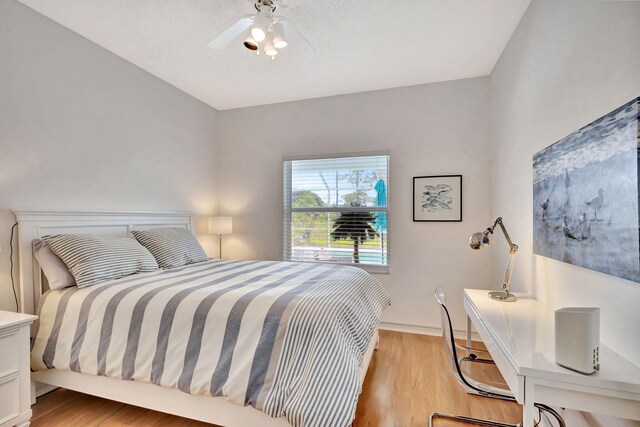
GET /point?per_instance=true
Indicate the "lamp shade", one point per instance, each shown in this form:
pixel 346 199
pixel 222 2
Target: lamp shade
pixel 479 240
pixel 279 38
pixel 251 44
pixel 259 28
pixel 220 225
pixel 269 49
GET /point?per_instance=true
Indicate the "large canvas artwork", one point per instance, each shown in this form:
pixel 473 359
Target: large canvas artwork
pixel 585 196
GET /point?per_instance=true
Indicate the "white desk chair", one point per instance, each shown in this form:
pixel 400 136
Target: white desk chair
pixel 470 385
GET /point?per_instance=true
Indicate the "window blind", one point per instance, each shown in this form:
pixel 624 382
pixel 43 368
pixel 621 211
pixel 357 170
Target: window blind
pixel 336 210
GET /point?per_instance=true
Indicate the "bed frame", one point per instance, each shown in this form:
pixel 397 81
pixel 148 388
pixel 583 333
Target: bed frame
pixel 216 410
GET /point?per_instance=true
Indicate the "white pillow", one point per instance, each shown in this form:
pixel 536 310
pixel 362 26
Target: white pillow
pixel 57 273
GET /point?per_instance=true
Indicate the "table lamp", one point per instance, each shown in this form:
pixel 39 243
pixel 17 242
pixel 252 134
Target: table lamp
pixel 481 239
pixel 220 225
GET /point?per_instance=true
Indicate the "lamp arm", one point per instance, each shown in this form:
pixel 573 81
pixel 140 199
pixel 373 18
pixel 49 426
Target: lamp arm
pixel 506 283
pixel 512 246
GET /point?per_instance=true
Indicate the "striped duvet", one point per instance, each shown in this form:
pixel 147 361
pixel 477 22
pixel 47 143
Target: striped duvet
pixel 286 338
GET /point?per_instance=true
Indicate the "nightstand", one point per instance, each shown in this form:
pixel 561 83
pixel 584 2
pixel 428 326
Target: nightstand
pixel 15 377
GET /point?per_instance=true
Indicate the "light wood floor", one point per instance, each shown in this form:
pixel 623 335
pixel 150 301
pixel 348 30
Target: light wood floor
pixel 409 377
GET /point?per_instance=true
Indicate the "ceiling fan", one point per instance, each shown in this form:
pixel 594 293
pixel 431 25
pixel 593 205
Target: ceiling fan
pixel 267 32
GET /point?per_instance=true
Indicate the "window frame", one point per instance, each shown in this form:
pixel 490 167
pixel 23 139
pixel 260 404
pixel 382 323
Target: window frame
pixel 288 210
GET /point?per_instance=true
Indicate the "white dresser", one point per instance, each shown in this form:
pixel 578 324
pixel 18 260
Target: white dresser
pixel 15 379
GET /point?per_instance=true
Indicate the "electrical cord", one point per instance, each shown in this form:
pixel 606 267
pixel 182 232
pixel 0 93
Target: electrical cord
pixel 13 285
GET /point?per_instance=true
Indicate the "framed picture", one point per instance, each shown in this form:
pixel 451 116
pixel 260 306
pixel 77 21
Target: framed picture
pixel 437 198
pixel 585 195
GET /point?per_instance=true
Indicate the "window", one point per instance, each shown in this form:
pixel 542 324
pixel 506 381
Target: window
pixel 336 210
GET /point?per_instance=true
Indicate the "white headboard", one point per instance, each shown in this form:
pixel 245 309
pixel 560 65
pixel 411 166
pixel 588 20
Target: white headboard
pixel 34 224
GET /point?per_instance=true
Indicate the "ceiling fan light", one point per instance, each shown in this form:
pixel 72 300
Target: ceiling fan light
pixel 279 39
pixel 259 27
pixel 258 34
pixel 251 44
pixel 280 43
pixel 270 51
pixel 269 48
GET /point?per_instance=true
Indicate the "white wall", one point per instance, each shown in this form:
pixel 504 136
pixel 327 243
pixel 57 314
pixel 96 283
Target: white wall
pixel 568 63
pixel 429 129
pixel 81 128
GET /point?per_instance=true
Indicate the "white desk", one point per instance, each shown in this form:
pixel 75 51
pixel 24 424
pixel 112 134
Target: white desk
pixel 520 337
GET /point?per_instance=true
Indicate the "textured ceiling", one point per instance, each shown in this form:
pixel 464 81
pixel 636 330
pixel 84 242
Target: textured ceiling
pixel 360 45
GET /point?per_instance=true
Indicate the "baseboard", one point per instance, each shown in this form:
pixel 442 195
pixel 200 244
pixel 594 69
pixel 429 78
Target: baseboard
pixel 424 330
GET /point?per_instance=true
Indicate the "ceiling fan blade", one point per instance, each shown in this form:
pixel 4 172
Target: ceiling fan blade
pixel 290 4
pixel 298 40
pixel 228 35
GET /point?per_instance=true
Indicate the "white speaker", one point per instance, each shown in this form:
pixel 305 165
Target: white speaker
pixel 578 338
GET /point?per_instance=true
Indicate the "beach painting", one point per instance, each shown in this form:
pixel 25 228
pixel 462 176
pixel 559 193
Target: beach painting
pixel 585 196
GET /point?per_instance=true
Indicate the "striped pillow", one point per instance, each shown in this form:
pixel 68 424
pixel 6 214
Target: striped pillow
pixel 171 247
pixel 94 259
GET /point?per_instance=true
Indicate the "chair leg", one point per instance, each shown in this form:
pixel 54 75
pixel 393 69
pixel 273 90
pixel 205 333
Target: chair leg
pixel 469 420
pixel 551 411
pixel 479 421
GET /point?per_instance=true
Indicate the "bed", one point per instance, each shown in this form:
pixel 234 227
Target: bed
pixel 232 343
